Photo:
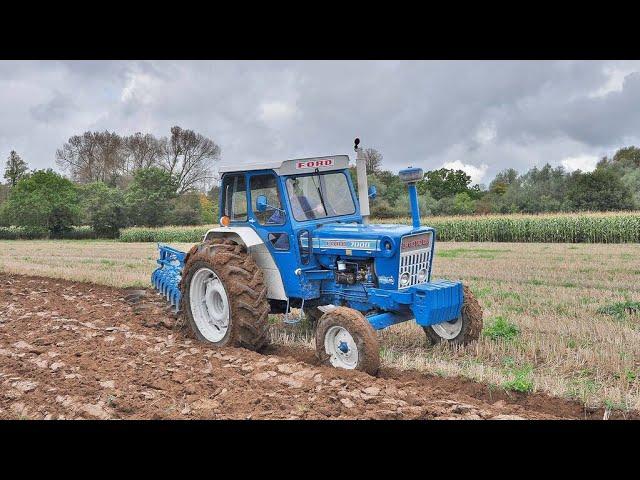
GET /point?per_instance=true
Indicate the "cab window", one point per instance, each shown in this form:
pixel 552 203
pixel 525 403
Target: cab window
pixel 320 195
pixel 267 185
pixel 234 190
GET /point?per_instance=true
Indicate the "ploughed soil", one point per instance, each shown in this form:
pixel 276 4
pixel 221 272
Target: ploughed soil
pixel 76 350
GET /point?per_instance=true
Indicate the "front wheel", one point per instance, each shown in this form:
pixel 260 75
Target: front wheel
pixel 461 331
pixel 345 339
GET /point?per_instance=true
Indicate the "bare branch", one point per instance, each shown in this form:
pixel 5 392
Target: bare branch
pixel 190 157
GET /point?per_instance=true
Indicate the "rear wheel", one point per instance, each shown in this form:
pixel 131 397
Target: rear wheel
pixel 224 295
pixel 461 331
pixel 345 339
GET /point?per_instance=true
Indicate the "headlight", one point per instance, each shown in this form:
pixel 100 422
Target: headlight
pixel 404 279
pixel 422 275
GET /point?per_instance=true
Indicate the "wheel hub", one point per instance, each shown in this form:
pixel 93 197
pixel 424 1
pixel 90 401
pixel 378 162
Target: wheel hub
pixel 448 330
pixel 341 348
pixel 209 304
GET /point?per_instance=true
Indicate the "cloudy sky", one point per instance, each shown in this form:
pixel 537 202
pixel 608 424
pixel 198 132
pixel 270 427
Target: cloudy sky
pixel 482 116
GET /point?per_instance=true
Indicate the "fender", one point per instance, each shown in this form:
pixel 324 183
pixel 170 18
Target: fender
pixel 259 252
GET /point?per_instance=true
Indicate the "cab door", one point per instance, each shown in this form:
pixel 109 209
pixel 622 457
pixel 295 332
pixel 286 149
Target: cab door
pixel 273 225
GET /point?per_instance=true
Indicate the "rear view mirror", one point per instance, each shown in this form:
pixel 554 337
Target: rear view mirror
pixel 373 192
pixel 261 203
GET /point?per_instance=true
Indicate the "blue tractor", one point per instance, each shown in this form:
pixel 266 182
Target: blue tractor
pixel 294 235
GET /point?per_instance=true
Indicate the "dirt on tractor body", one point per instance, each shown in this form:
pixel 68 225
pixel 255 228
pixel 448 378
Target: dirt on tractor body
pixel 73 350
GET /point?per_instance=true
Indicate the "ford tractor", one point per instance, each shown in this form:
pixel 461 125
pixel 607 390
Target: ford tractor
pixel 295 234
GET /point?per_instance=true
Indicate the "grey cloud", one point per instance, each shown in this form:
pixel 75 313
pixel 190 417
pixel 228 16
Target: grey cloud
pixel 498 113
pixel 53 110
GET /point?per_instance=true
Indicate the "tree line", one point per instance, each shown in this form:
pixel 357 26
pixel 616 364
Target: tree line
pixel 116 181
pixel 614 185
pixel 113 159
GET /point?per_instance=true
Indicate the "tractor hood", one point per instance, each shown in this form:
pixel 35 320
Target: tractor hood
pixel 361 240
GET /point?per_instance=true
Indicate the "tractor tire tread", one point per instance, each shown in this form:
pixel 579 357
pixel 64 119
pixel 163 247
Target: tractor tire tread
pixel 249 306
pixel 360 329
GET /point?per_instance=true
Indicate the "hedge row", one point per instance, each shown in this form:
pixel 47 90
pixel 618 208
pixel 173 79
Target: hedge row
pixel 38 233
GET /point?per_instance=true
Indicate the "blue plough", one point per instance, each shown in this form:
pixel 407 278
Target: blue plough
pixel 166 278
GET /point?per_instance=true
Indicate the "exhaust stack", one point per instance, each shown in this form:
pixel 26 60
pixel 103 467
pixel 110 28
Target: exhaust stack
pixel 363 184
pixel 411 176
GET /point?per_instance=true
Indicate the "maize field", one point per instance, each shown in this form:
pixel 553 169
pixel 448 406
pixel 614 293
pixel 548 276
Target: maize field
pixel 165 234
pixel 547 228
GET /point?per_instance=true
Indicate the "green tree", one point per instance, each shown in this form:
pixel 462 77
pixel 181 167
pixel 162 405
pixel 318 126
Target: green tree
pixel 213 196
pixel 632 181
pixel 600 190
pixel 503 180
pixel 394 188
pixel 539 190
pixel 460 204
pixel 44 199
pixel 543 190
pixel 5 190
pixel 463 204
pixel 4 196
pixel 487 204
pixel 16 168
pixel 149 197
pixel 444 182
pixel 187 210
pixel 103 209
pixel 4 216
pixel 627 157
pixel 209 209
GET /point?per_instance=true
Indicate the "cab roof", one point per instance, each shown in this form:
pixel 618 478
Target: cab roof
pixel 294 166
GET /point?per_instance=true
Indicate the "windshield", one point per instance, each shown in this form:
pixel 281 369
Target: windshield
pixel 320 195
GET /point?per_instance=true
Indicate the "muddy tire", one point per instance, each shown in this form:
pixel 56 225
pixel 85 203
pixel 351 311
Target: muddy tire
pixel 464 330
pixel 312 315
pixel 345 339
pixel 244 293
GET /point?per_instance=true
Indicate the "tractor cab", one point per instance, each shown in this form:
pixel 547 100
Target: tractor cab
pixel 284 203
pixel 296 191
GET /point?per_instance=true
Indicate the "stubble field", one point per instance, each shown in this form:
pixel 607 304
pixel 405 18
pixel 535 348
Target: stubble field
pixel 562 319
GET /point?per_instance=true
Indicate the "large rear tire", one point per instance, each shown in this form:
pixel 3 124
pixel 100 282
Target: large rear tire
pixel 224 297
pixel 346 339
pixel 465 329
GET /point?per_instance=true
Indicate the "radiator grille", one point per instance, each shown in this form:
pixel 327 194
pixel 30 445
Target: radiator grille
pixel 415 255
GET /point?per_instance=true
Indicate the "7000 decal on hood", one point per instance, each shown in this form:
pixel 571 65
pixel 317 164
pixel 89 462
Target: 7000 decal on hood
pixel 345 244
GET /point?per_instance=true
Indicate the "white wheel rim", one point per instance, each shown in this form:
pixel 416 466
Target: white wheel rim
pixel 341 348
pixel 209 305
pixel 448 330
